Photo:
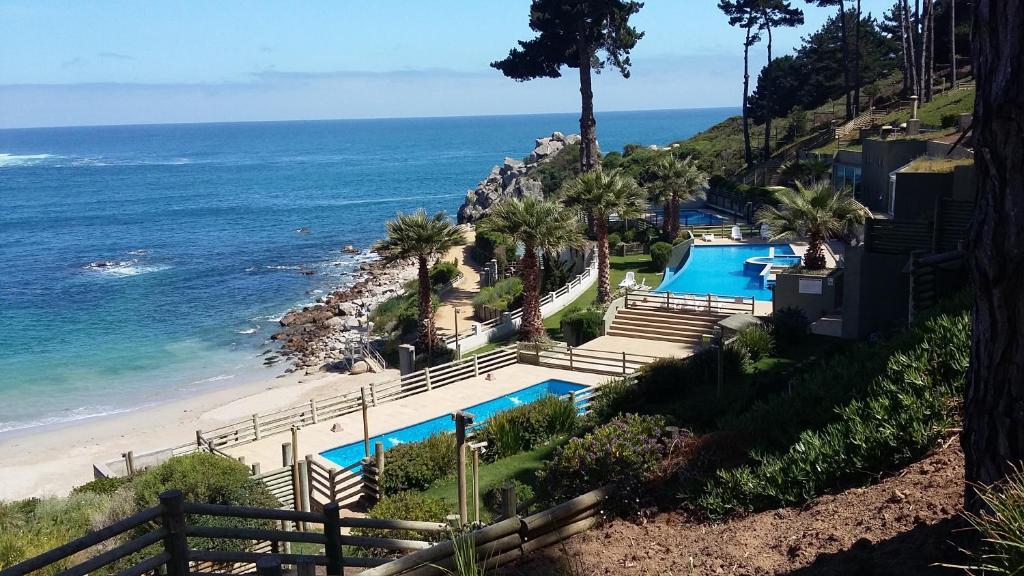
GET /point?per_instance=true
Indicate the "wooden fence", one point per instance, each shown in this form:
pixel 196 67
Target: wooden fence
pixel 163 540
pixel 259 426
pixel 703 303
pixel 561 356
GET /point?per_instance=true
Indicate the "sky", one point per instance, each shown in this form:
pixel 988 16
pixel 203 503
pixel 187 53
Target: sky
pixel 67 63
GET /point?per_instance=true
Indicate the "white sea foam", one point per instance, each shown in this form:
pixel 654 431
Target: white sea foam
pixel 11 160
pixel 123 268
pixel 217 378
pixel 247 331
pixel 74 415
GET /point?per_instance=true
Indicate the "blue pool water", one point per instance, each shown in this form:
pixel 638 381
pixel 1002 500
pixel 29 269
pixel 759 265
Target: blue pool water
pixel 353 452
pixel 723 270
pixel 699 218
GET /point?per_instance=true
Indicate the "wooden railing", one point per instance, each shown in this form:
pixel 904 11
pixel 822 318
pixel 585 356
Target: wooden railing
pixel 702 303
pixel 164 537
pixel 558 355
pixel 505 541
pixel 259 426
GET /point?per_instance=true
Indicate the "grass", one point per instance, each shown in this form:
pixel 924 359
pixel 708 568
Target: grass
pixel 936 165
pixel 522 467
pixel 931 113
pixel 640 264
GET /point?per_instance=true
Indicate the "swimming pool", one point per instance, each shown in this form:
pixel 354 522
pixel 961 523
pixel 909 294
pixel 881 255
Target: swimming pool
pixel 723 270
pixel 699 218
pixel 354 452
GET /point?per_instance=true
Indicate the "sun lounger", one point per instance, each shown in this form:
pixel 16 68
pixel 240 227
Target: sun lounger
pixel 736 234
pixel 629 281
pixel 708 237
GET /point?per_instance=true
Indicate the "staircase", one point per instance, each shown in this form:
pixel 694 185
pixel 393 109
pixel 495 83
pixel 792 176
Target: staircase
pixel 682 327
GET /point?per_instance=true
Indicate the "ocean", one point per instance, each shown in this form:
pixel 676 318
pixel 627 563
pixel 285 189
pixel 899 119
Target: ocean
pixel 141 263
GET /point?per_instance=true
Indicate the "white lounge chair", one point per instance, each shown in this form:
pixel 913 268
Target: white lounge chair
pixel 736 234
pixel 708 237
pixel 765 232
pixel 629 281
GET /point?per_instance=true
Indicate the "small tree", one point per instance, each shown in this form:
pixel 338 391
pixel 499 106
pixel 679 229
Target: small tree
pixel 676 180
pixel 602 194
pixel 421 237
pixel 815 212
pixel 574 34
pixel 539 226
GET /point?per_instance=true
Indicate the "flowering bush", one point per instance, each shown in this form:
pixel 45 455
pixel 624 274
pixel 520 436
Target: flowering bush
pixel 624 452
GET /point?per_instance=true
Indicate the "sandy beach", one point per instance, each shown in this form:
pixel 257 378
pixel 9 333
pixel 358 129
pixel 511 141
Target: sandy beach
pixel 52 461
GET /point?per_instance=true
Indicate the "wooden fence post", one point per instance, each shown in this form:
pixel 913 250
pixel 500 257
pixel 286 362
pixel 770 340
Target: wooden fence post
pixel 570 358
pixel 366 425
pixel 286 454
pixel 476 485
pixel 199 440
pixel 572 399
pixel 509 506
pixel 332 477
pixel 312 410
pixel 426 375
pixel 623 363
pixel 462 419
pixel 310 484
pixel 378 456
pixel 256 425
pixel 373 394
pixel 268 566
pixel 476 365
pixel 255 468
pixel 332 530
pixel 129 463
pixel 303 495
pixel 172 504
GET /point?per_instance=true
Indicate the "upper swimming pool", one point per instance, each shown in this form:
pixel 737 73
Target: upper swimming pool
pixel 723 270
pixel 355 451
pixel 699 218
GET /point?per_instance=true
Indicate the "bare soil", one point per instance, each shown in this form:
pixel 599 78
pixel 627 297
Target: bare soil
pixel 904 524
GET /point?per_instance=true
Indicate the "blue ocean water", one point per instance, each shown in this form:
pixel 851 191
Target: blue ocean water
pixel 722 270
pixel 353 452
pixel 144 262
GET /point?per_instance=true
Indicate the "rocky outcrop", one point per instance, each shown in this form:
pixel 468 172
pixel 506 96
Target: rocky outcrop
pixel 513 179
pixel 319 335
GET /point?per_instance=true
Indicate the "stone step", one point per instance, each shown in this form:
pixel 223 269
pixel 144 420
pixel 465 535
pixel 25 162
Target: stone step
pixel 661 338
pixel 669 316
pixel 657 332
pixel 656 326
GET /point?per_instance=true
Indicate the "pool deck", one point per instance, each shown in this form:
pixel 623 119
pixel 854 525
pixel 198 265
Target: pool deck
pixel 643 346
pixel 405 412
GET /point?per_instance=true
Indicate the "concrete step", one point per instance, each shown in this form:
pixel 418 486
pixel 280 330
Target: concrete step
pixel 658 332
pixel 659 327
pixel 669 315
pixel 659 337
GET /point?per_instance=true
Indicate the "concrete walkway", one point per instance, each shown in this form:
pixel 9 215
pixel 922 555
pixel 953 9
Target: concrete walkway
pixel 639 346
pixel 406 411
pixel 462 293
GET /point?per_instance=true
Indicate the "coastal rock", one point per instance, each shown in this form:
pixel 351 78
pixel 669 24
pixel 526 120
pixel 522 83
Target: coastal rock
pixel 359 367
pixel 513 178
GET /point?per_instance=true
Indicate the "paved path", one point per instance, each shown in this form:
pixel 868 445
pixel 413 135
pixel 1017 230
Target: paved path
pixel 462 294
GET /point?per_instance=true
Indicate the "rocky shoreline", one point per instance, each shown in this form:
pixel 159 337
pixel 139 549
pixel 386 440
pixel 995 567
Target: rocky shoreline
pixel 319 337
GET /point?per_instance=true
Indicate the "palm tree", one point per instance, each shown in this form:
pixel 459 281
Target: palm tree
pixel 421 237
pixel 815 211
pixel 602 194
pixel 539 226
pixel 677 180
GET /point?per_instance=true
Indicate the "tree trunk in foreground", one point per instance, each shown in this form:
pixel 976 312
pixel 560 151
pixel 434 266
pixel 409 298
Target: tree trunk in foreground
pixel 768 117
pixel 532 326
pixel 748 154
pixel 910 31
pixel 952 43
pixel 426 336
pixel 856 62
pixel 845 44
pixel 588 125
pixel 993 435
pixel 604 293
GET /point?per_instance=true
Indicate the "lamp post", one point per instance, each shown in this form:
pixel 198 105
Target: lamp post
pixel 458 349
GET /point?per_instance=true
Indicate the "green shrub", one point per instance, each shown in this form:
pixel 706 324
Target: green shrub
pixel 661 253
pixel 396 315
pixel 443 272
pixel 757 341
pixel 104 485
pixel 492 499
pixel 403 506
pixel 488 246
pixel 33 526
pixel 949 120
pixel 418 465
pixel 899 417
pixel 582 325
pixel 504 295
pixel 1000 528
pixel 629 235
pixel 614 240
pixel 525 427
pixel 613 398
pixel 788 325
pixel 624 453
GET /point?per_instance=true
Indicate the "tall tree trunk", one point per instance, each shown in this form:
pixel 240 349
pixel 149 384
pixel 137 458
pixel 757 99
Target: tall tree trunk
pixel 928 50
pixel 666 225
pixel 919 46
pixel 604 292
pixel 426 335
pixel 952 43
pixel 674 207
pixel 903 46
pixel 748 154
pixel 856 62
pixel 768 117
pixel 993 434
pixel 844 42
pixel 532 326
pixel 814 258
pixel 588 125
pixel 910 31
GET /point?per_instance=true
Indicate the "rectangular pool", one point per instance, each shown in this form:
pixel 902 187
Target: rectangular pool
pixel 723 270
pixel 354 452
pixel 699 218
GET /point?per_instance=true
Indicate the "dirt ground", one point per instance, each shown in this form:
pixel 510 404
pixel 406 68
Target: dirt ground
pixel 902 525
